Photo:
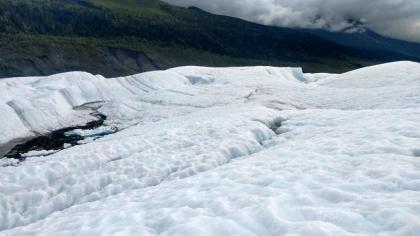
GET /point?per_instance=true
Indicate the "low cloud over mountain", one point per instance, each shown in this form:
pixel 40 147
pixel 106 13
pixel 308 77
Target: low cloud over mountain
pixel 395 18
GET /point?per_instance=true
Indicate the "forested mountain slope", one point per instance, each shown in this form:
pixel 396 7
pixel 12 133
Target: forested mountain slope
pixel 115 38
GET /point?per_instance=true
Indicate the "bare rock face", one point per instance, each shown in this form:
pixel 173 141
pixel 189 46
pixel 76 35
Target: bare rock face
pixel 107 61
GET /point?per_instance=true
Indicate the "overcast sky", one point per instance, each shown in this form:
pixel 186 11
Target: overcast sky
pixel 395 18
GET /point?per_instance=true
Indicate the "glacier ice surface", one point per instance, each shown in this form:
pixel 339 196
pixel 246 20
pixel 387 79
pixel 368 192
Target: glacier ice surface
pixel 218 151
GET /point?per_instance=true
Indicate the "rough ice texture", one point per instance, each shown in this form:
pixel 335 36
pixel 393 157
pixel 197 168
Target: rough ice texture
pixel 219 151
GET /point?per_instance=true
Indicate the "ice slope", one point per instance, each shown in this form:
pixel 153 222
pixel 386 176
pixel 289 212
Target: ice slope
pixel 34 105
pixel 392 74
pixel 222 151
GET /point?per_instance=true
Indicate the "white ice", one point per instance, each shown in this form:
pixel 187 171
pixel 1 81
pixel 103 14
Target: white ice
pixel 218 151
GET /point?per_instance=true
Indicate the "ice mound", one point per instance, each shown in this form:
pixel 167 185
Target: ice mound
pixel 38 105
pixel 390 74
pixel 218 151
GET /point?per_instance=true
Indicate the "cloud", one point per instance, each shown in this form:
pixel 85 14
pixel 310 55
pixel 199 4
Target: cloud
pixel 395 18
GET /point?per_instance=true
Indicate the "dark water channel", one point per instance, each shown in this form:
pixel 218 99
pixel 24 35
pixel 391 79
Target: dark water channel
pixel 56 140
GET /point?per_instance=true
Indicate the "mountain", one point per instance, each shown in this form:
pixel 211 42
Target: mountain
pixel 115 38
pixel 371 41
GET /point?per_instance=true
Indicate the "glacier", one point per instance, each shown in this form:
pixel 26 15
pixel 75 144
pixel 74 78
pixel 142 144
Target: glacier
pixel 216 151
